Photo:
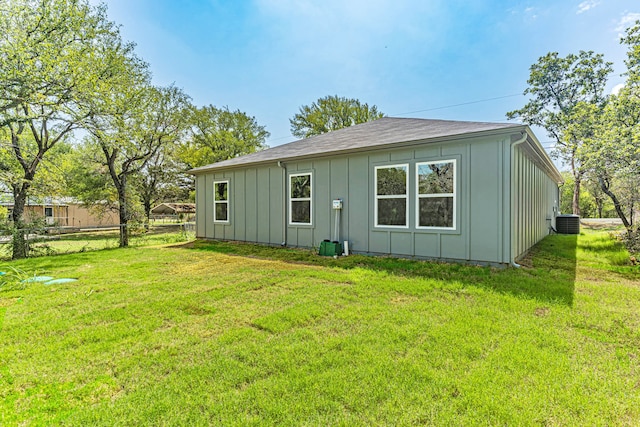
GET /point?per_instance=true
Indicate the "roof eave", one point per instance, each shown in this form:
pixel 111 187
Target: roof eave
pixel 551 167
pixel 506 131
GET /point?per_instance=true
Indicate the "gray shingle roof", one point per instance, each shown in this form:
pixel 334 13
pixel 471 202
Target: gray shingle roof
pixel 376 134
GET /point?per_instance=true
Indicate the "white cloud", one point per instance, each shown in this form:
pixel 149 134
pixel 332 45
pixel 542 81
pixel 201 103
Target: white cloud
pixel 616 89
pixel 531 12
pixel 587 5
pixel 627 20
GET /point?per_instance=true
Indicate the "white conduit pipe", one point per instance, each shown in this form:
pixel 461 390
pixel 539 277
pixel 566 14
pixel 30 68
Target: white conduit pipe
pixel 513 199
pixel 284 202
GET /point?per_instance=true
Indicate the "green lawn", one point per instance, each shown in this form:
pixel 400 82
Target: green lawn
pixel 232 334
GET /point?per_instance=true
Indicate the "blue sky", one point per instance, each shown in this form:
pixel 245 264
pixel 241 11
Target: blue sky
pixel 410 58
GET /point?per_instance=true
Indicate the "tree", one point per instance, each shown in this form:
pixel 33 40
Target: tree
pixel 612 137
pixel 558 86
pixel 216 134
pixel 611 151
pixel 603 209
pixel 632 40
pixel 87 179
pixel 54 55
pixel 162 179
pixel 50 179
pixel 624 126
pixel 587 201
pixel 133 127
pixel 331 113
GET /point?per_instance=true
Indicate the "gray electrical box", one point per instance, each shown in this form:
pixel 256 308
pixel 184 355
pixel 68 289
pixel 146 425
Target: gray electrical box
pixel 337 204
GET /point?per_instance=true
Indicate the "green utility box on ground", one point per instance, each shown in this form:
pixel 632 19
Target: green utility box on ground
pixel 328 248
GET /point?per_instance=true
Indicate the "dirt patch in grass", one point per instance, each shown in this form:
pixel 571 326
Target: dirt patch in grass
pixel 542 311
pixel 186 245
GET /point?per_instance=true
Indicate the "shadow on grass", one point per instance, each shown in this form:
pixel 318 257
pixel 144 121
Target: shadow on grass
pixel 548 272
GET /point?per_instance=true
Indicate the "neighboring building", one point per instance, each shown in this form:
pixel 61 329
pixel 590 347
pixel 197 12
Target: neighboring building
pixel 184 211
pixel 64 212
pixel 436 189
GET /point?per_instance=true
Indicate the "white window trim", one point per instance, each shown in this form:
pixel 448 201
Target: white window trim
pixel 221 221
pixel 301 199
pixel 425 196
pixel 398 196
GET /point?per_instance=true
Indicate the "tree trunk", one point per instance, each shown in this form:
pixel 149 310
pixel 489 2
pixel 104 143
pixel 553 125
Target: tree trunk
pixel 147 213
pixel 575 204
pixel 616 203
pixel 124 216
pixel 19 242
pixel 600 206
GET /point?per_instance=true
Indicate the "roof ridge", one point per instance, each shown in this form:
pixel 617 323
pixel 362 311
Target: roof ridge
pixel 381 132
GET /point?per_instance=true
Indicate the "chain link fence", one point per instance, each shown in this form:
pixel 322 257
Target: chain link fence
pixel 54 240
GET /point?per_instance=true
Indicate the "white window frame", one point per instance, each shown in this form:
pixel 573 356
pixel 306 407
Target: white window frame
pixel 395 196
pixel 454 195
pixel 215 183
pixel 300 199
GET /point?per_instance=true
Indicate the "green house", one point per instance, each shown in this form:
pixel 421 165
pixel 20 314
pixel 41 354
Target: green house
pixel 434 189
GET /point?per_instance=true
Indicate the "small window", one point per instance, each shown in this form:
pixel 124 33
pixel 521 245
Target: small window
pixel 221 201
pixel 300 199
pixel 436 198
pixel 392 183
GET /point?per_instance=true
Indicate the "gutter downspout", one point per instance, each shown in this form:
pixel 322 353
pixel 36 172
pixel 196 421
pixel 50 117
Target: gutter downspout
pixel 513 198
pixel 559 198
pixel 284 202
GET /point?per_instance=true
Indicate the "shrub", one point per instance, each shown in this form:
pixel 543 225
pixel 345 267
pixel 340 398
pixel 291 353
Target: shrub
pixel 631 240
pixel 13 278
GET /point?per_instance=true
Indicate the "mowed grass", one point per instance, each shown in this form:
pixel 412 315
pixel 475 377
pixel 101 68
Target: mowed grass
pixel 235 334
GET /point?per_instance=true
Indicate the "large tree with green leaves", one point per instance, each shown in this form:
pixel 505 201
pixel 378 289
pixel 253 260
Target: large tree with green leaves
pixel 331 113
pixel 50 179
pixel 620 132
pixel 557 86
pixel 611 135
pixel 610 150
pixel 216 134
pixel 87 179
pixel 162 179
pixel 132 127
pixel 632 40
pixel 54 56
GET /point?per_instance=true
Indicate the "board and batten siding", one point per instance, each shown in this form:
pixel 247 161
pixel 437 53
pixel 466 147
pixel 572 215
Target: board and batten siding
pixel 483 202
pixel 536 198
pixel 255 205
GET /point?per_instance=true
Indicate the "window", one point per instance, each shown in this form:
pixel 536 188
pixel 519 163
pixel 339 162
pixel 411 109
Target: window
pixel 300 198
pixel 392 183
pixel 220 201
pixel 436 199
